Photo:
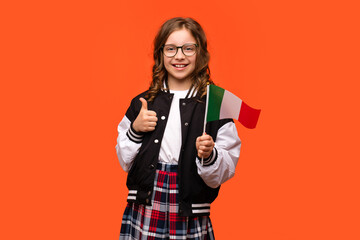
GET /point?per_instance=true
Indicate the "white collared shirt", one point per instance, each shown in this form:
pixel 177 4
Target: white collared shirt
pixel 171 142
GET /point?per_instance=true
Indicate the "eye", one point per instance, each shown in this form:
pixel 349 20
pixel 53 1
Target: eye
pixel 189 47
pixel 169 48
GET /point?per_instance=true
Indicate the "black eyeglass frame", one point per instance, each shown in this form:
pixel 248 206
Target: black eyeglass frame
pixel 182 50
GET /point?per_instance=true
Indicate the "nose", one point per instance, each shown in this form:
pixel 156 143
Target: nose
pixel 179 54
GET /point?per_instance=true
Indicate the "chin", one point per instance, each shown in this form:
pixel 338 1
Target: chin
pixel 181 78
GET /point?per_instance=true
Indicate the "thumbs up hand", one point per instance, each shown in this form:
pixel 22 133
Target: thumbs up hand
pixel 146 120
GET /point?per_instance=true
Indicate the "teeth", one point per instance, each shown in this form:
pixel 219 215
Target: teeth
pixel 178 65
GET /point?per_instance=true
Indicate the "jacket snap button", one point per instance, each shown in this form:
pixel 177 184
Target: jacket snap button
pixel 147 200
pixel 152 166
pixel 149 193
pixel 183 104
pixel 156 141
pixel 186 124
pixel 162 117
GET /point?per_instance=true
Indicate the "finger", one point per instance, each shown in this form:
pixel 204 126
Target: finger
pixel 208 143
pixel 151 124
pixel 151 128
pixel 144 105
pixel 205 137
pixel 151 113
pixel 151 119
pixel 205 141
pixel 205 148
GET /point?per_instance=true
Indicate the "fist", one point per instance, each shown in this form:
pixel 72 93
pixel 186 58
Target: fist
pixel 146 119
pixel 204 145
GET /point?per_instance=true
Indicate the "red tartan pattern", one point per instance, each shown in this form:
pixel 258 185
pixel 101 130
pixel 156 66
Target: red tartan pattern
pixel 161 219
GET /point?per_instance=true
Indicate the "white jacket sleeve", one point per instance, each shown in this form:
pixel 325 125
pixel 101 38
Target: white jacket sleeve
pixel 220 166
pixel 128 144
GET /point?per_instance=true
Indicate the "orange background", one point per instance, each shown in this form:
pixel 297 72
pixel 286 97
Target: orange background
pixel 70 68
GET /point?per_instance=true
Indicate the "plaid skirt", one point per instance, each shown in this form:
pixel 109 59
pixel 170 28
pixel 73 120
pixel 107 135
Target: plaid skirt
pixel 161 219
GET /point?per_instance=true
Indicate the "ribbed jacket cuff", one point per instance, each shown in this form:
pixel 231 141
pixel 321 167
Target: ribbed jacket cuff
pixel 209 160
pixel 133 135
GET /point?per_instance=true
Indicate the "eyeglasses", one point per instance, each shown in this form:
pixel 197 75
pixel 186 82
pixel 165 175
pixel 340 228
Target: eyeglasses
pixel 171 50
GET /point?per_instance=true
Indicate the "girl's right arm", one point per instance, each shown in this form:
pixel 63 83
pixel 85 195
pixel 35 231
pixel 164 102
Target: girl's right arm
pixel 131 131
pixel 128 143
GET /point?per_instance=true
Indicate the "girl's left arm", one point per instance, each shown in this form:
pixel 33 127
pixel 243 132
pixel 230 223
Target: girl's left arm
pixel 221 164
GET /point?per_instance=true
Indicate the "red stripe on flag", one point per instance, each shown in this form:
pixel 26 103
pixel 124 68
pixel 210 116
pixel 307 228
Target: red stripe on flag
pixel 248 116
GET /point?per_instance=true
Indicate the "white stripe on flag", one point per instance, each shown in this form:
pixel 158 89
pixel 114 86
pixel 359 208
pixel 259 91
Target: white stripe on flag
pixel 230 106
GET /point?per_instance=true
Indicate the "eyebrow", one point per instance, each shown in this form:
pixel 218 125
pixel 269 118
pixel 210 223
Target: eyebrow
pixel 179 45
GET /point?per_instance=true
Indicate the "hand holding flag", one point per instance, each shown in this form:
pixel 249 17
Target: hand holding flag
pixel 221 104
pixel 204 146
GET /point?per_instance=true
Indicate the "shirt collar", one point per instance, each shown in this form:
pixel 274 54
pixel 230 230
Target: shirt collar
pixel 191 93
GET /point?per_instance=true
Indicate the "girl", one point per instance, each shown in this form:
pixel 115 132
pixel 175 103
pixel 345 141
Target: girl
pixel 161 144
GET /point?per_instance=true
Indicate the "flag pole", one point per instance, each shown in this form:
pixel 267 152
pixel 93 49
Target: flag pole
pixel 206 106
pixel 206 110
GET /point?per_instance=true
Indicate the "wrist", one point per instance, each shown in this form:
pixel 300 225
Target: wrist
pixel 205 158
pixel 134 127
pixel 209 160
pixel 134 135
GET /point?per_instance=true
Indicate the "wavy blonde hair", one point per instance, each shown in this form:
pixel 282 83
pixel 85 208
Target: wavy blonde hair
pixel 201 74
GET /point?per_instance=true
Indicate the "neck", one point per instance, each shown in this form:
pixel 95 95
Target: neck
pixel 179 85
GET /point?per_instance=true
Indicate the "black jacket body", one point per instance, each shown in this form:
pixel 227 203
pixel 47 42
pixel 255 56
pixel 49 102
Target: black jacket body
pixel 194 194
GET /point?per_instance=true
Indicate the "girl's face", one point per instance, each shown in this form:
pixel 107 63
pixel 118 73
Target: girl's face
pixel 180 66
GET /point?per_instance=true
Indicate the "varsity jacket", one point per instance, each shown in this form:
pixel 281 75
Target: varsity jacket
pixel 198 184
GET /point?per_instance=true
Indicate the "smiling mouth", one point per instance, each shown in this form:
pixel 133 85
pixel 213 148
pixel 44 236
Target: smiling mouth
pixel 180 65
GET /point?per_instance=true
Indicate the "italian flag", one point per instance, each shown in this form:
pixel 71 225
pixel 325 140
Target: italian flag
pixel 222 104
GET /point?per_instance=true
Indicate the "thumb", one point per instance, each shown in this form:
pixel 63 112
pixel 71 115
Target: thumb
pixel 144 104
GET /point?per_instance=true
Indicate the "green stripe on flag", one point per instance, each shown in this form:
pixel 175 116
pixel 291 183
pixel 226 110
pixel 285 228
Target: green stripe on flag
pixel 215 98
